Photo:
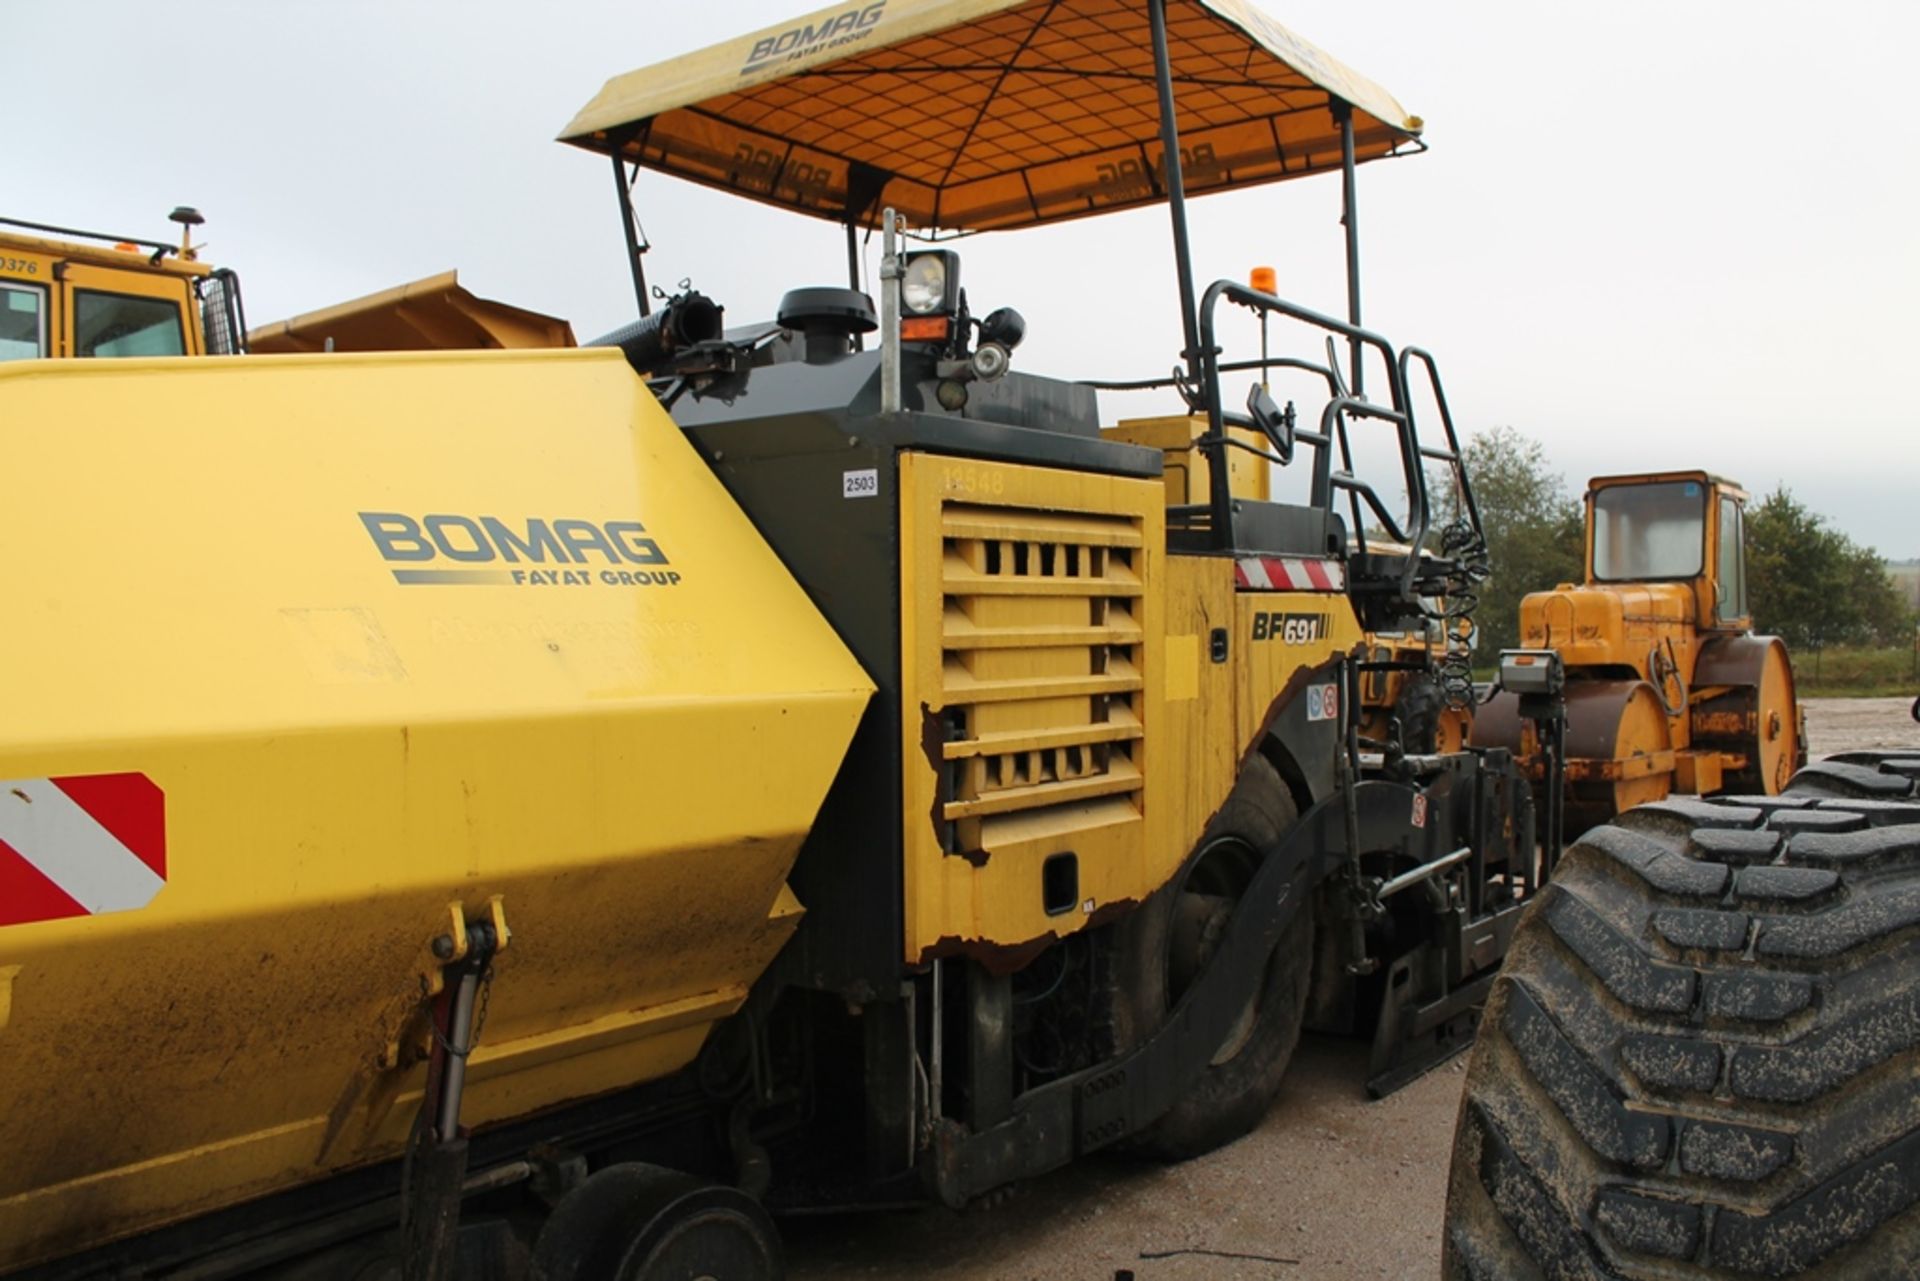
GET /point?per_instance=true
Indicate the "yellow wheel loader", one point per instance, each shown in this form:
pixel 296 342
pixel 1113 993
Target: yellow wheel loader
pixel 1668 689
pixel 76 293
pixel 509 814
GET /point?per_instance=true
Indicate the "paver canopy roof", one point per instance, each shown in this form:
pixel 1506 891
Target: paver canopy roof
pixel 973 115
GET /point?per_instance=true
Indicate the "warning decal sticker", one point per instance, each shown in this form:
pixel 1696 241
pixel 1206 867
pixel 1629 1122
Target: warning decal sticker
pixel 1323 702
pixel 80 845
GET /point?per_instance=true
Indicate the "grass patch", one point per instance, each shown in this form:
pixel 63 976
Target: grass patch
pixel 1850 672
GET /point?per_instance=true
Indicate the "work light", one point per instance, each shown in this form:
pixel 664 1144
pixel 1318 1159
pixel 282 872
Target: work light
pixel 931 284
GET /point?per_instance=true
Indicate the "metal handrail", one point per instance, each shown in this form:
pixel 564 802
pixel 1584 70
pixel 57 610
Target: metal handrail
pixel 1332 423
pixel 1333 418
pixel 160 250
pixel 1231 367
pixel 1452 454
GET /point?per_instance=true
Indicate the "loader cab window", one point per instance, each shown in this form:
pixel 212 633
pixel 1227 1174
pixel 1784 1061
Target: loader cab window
pixel 1731 572
pixel 125 325
pixel 23 322
pixel 1645 532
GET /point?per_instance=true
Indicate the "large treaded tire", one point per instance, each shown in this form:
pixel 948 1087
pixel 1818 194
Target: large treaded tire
pixel 1702 1059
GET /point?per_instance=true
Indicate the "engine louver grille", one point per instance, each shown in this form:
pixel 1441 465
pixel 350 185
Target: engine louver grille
pixel 1041 669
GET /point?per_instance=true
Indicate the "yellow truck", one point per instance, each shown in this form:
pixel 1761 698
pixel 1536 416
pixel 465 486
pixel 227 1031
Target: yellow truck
pixel 537 813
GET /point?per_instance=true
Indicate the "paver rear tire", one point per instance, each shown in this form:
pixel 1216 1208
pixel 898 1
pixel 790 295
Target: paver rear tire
pixel 636 1222
pixel 1165 944
pixel 1700 1060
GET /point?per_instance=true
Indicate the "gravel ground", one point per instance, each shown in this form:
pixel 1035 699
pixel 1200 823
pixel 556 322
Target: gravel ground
pixel 1859 724
pixel 1330 1187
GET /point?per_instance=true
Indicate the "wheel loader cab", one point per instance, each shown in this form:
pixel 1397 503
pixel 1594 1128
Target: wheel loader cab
pixel 102 304
pixel 1683 528
pixel 91 296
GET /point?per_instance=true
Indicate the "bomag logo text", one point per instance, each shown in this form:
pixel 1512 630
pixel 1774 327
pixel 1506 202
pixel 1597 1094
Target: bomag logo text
pixel 830 30
pixel 445 548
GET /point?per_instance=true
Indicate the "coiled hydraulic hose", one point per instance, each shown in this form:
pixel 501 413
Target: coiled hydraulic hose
pixel 1465 550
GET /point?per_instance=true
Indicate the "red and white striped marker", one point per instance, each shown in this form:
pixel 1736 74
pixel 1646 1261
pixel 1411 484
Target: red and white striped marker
pixel 1289 574
pixel 80 845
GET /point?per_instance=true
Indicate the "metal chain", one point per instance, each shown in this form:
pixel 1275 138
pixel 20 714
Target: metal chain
pixel 479 1020
pixel 486 993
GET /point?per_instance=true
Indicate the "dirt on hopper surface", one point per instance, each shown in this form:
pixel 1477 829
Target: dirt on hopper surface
pixel 1330 1186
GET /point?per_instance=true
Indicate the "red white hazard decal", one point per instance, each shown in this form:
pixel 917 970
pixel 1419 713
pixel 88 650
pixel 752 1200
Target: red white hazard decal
pixel 1289 574
pixel 80 845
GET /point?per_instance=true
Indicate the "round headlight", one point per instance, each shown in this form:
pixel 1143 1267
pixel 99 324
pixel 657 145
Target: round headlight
pixel 924 286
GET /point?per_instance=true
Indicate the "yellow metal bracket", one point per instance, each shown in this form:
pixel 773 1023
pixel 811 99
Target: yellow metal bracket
pixel 451 947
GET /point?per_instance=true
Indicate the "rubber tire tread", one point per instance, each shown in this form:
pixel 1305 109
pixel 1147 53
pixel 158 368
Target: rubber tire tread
pixel 1230 1098
pixel 1698 1060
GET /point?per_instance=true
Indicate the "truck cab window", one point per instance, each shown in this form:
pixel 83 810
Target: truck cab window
pixel 1732 569
pixel 1649 531
pixel 23 322
pixel 125 325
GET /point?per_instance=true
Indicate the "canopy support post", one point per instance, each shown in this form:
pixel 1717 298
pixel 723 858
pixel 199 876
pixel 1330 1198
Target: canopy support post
pixel 853 271
pixel 1219 492
pixel 1350 219
pixel 865 185
pixel 1175 183
pixel 634 248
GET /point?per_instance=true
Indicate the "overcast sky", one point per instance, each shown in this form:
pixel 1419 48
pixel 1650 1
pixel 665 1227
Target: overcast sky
pixel 1648 235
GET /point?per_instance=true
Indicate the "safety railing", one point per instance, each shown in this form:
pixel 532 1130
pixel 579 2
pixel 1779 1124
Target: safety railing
pixel 1452 455
pixel 223 316
pixel 1333 434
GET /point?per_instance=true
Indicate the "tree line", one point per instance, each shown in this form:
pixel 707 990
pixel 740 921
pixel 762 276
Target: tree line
pixel 1807 582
